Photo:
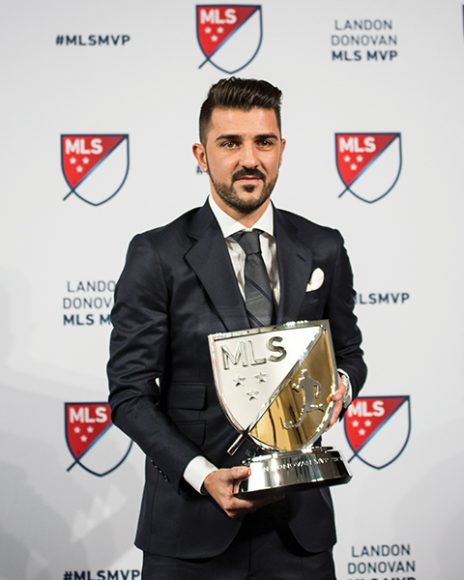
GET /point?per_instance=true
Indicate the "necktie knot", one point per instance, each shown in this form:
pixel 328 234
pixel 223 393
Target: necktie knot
pixel 249 241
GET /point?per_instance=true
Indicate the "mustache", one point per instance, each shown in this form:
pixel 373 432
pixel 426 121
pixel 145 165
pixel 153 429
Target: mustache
pixel 254 172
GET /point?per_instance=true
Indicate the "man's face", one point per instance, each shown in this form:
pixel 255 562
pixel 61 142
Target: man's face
pixel 242 154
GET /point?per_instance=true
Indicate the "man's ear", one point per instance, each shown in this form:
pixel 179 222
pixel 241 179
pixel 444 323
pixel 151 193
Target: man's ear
pixel 200 155
pixel 283 142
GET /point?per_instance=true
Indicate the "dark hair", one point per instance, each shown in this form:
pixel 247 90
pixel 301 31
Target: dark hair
pixel 243 94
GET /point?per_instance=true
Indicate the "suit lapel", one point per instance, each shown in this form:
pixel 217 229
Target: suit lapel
pixel 210 260
pixel 294 261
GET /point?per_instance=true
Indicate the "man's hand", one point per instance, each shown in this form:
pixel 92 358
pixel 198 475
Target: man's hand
pixel 337 397
pixel 223 483
pixel 221 486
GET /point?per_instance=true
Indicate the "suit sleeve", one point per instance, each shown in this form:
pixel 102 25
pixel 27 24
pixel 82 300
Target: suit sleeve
pixel 343 322
pixel 138 350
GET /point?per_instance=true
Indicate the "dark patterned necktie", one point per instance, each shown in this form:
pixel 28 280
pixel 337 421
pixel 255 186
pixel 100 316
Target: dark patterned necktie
pixel 259 301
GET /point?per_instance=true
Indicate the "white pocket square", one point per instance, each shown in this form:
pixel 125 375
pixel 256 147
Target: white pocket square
pixel 316 280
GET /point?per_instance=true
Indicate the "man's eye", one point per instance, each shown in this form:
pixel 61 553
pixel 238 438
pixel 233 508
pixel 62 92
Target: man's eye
pixel 265 143
pixel 229 144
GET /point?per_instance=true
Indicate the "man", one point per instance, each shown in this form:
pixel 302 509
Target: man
pixel 187 280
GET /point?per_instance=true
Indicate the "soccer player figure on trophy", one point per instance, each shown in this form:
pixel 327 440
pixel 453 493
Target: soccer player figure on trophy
pixel 311 391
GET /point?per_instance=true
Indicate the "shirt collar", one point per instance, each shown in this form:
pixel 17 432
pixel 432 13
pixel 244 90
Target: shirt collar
pixel 229 226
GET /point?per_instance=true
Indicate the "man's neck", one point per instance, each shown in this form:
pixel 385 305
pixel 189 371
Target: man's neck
pixel 248 220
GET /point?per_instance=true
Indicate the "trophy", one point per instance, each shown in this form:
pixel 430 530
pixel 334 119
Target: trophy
pixel 273 384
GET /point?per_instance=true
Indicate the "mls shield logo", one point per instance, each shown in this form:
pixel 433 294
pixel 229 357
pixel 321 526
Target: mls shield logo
pixel 378 429
pixel 95 166
pixel 93 444
pixel 229 35
pixel 369 164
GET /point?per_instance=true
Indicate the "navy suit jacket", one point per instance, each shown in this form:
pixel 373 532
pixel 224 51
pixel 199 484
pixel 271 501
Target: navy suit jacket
pixel 178 286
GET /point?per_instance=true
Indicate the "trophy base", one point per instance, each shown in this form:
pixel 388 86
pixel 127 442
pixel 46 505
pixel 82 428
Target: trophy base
pixel 277 472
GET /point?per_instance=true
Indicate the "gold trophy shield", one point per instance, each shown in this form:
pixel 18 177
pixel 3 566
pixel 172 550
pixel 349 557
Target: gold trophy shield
pixel 273 384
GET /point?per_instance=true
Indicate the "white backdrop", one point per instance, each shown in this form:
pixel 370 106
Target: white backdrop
pixel 141 79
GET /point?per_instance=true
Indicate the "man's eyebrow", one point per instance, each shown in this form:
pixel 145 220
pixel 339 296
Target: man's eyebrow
pixel 233 137
pixel 230 137
pixel 267 136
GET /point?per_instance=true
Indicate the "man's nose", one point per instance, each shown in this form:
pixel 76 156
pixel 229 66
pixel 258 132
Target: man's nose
pixel 248 156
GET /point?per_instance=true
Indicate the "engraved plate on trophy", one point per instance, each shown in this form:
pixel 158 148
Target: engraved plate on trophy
pixel 273 384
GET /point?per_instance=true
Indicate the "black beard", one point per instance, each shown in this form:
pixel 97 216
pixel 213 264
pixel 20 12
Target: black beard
pixel 229 196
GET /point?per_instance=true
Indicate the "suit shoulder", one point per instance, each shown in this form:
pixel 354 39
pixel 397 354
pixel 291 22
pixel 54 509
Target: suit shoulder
pixel 163 236
pixel 308 228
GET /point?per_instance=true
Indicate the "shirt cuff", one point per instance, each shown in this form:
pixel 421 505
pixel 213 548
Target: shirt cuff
pixel 349 390
pixel 197 470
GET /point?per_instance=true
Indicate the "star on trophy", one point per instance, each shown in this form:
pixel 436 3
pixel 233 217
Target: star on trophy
pixel 273 384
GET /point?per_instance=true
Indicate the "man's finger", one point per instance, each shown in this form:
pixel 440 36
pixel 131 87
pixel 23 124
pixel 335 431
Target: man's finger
pixel 234 506
pixel 335 415
pixel 239 473
pixel 337 396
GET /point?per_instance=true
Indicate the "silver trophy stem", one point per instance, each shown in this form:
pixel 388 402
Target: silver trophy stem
pixel 236 444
